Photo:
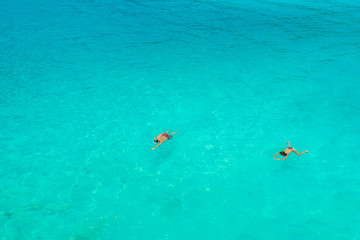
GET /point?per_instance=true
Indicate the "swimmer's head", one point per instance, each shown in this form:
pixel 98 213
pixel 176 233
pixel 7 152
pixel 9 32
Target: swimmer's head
pixel 156 140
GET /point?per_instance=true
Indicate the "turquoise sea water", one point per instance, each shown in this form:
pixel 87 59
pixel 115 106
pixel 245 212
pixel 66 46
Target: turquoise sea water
pixel 85 86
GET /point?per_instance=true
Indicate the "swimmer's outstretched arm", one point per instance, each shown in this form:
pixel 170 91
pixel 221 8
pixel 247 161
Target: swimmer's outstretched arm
pixel 157 145
pixel 278 154
pixel 283 158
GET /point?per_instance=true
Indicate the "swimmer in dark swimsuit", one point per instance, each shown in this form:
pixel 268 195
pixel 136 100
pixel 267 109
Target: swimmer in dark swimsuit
pixel 163 137
pixel 287 152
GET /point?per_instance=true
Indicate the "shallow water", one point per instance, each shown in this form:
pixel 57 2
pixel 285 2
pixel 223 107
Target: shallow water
pixel 86 85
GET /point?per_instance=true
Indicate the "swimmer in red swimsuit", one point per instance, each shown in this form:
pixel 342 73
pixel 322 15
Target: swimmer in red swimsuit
pixel 163 137
pixel 287 152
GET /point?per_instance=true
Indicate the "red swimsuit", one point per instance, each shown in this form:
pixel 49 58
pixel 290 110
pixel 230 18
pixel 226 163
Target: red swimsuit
pixel 166 135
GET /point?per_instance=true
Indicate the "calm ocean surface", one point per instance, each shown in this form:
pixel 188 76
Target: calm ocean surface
pixel 85 86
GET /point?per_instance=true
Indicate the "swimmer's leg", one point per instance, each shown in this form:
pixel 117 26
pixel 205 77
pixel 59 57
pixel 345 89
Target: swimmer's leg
pixel 289 145
pixel 173 134
pixel 306 151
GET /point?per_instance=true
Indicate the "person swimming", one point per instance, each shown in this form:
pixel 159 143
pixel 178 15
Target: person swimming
pixel 163 137
pixel 287 152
